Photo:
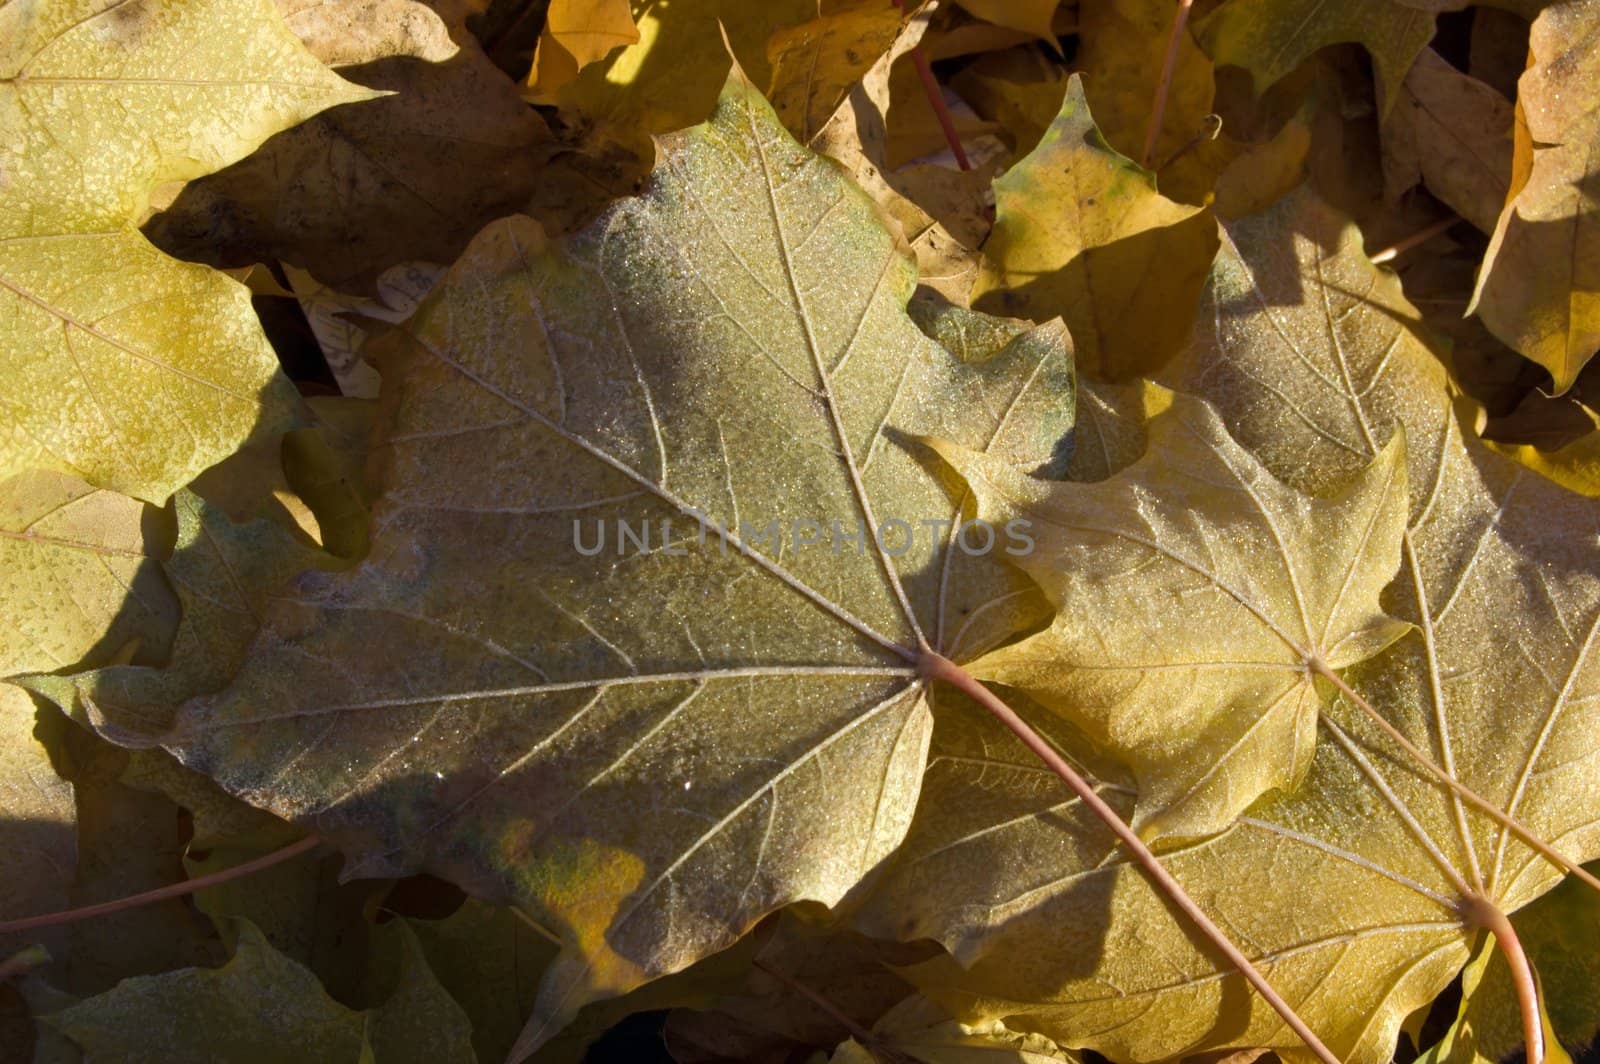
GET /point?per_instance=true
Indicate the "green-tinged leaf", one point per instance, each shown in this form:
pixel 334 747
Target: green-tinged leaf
pixel 261 1006
pixel 649 750
pixel 124 367
pixel 1081 232
pixel 78 575
pixel 1269 38
pixel 1346 892
pixel 1194 596
pixel 1539 287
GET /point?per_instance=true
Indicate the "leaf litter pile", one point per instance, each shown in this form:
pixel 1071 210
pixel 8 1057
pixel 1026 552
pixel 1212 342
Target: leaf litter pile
pixel 695 530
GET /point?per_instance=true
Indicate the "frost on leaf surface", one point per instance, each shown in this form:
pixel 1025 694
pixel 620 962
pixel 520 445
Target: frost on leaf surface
pixel 1346 891
pixel 648 749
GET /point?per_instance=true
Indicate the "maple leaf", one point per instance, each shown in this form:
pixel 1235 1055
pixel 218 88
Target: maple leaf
pixel 1081 232
pixel 1193 592
pixel 495 704
pixel 224 575
pixel 38 848
pixel 354 191
pixel 352 32
pixel 1352 892
pixel 62 540
pixel 262 999
pixel 1121 57
pixel 1033 17
pixel 856 135
pixel 1451 132
pixel 1561 933
pixel 577 33
pixel 817 63
pixel 1539 286
pixel 125 367
pixel 1270 38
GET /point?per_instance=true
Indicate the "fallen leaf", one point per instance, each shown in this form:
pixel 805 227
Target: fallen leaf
pixel 262 1006
pixel 1345 892
pixel 1124 45
pixel 489 959
pixel 1561 934
pixel 918 1030
pixel 1192 593
pixel 125 367
pixel 577 33
pixel 1269 38
pixel 224 574
pixel 1453 134
pixel 1539 287
pixel 38 833
pixel 671 78
pixel 857 137
pixel 817 63
pixel 1033 17
pixel 802 993
pixel 1575 465
pixel 358 190
pixel 63 541
pixel 731 344
pixel 341 33
pixel 1019 89
pixel 1081 232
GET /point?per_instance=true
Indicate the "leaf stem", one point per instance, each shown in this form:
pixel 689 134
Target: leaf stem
pixel 1467 794
pixel 930 86
pixel 1487 915
pixel 172 890
pixel 1400 247
pixel 936 667
pixel 1158 108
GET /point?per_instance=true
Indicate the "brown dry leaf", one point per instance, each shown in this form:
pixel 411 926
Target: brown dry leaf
pixel 344 33
pixel 1539 287
pixel 857 136
pixel 360 189
pixel 577 33
pixel 1453 134
pixel 1033 17
pixel 817 63
pixel 1081 232
pixel 1124 43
